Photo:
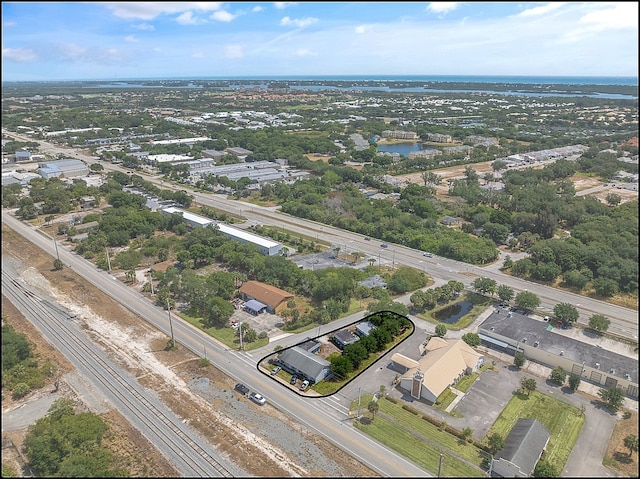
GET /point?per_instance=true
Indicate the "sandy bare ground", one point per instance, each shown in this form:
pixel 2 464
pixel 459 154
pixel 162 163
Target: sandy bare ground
pixel 140 349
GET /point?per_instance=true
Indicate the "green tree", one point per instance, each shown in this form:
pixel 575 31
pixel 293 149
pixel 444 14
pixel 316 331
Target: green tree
pixel 57 264
pixel 612 397
pixel 484 285
pixel 527 300
pixel 599 323
pixel 467 434
pixel 528 385
pixel 505 293
pixel 217 312
pixel 441 330
pixel 574 382
pixel 558 375
pixel 518 359
pixel 472 339
pixel 496 442
pixel 565 312
pixel 545 469
pixel 631 443
pixel 373 408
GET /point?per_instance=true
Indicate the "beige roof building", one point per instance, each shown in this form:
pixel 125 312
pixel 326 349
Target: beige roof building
pixel 444 363
pixel 274 298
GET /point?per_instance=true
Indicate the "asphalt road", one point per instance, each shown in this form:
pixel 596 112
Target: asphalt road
pixel 318 416
pixel 624 321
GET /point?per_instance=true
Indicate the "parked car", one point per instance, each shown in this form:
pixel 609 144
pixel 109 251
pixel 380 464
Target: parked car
pixel 428 255
pixel 305 385
pixel 258 398
pixel 384 245
pixel 294 379
pixel 366 238
pixel 241 388
pixel 275 370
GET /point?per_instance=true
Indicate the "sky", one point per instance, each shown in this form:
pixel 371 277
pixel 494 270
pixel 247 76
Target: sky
pixel 120 40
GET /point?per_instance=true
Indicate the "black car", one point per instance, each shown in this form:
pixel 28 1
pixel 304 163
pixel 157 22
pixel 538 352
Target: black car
pixel 241 388
pixel 384 245
pixel 294 379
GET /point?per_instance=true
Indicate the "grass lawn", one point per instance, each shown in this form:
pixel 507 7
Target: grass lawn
pixel 420 441
pixel 562 420
pixel 228 336
pixel 617 456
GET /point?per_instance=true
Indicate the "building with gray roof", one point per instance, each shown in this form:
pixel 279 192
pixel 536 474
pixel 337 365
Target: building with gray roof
pixel 539 342
pixel 523 447
pixel 304 364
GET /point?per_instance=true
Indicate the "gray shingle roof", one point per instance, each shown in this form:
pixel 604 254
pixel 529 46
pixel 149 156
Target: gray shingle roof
pixel 524 444
pixel 308 363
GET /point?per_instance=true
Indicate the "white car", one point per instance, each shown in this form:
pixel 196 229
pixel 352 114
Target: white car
pixel 428 255
pixel 258 398
pixel 304 385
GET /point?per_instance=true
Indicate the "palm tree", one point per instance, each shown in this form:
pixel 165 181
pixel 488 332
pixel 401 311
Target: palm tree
pixel 371 261
pixel 631 443
pixel 373 408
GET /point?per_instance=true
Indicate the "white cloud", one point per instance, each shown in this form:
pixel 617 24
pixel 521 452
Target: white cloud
pixel 150 10
pixel 187 18
pixel 257 9
pixel 283 5
pixel 197 55
pixel 442 7
pixel 144 27
pixel 303 52
pixel 21 55
pixel 223 16
pixel 72 51
pixel 9 24
pixel 613 16
pixel 233 52
pixel 360 29
pixel 541 10
pixel 298 22
pixel 130 39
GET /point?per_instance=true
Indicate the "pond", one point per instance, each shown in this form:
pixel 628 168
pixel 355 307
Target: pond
pixel 453 313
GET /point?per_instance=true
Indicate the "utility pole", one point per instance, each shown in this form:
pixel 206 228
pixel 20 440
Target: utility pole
pixel 173 342
pixel 440 466
pixel 358 403
pixel 151 282
pixel 240 332
pixel 108 259
pixel 56 245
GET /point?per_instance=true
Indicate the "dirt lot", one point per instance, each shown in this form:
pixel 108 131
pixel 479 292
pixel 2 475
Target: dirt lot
pixel 141 351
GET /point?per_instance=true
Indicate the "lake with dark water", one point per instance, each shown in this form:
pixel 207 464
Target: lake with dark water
pixel 404 148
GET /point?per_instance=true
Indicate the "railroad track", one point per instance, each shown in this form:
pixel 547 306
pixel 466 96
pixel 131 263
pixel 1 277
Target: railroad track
pixel 161 427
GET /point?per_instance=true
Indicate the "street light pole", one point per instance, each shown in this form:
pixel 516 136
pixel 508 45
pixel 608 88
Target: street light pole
pixel 240 332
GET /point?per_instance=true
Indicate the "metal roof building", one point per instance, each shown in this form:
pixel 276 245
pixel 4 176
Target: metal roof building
pixel 304 364
pixel 194 221
pixel 267 246
pixel 523 447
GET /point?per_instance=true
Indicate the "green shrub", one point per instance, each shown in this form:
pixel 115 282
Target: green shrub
pixel 411 409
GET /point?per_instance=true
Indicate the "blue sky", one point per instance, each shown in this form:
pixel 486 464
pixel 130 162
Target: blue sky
pixel 118 40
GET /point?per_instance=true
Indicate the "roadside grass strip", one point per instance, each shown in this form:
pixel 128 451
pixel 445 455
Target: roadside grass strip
pixel 563 421
pixel 417 439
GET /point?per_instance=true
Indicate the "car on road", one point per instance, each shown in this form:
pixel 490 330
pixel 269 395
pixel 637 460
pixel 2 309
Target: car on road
pixel 304 385
pixel 384 245
pixel 428 255
pixel 257 398
pixel 366 238
pixel 275 370
pixel 294 379
pixel 241 388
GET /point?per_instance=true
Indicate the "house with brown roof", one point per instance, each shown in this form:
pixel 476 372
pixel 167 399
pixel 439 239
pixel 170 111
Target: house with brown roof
pixel 444 363
pixel 274 298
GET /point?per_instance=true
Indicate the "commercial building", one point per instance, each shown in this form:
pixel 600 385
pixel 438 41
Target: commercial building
pixel 444 363
pixel 266 246
pixel 192 220
pixel 540 342
pixel 524 445
pixel 67 168
pixel 304 364
pixel 275 299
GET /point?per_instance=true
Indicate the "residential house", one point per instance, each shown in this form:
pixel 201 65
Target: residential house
pixel 344 338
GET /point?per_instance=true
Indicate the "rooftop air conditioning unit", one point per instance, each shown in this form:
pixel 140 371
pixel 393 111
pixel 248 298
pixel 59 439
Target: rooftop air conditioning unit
pixel 612 371
pixel 627 376
pixel 561 353
pixel 597 365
